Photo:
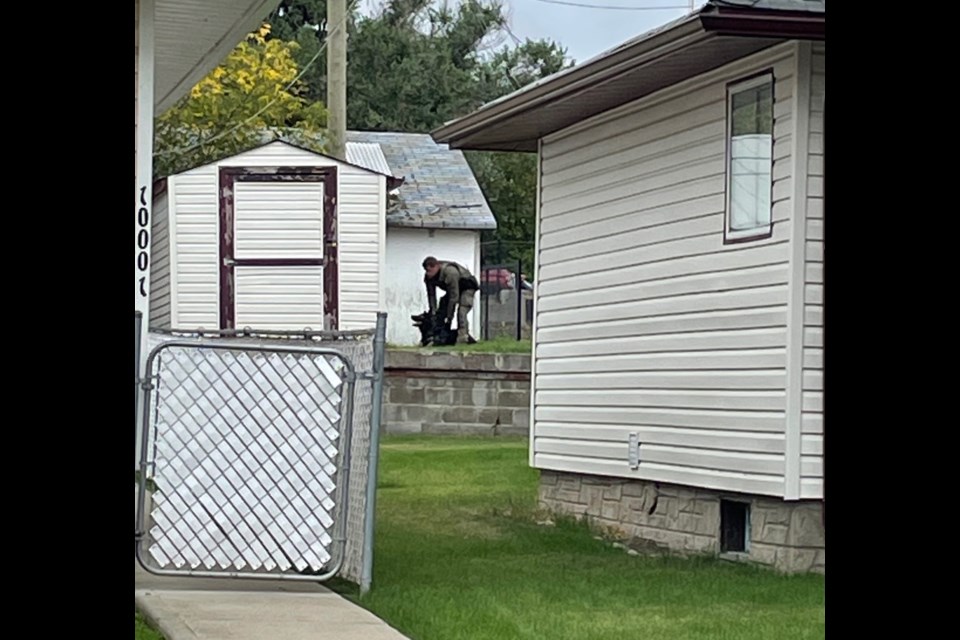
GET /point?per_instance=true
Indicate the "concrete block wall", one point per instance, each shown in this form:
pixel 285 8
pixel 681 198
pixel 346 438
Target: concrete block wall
pixel 786 535
pixel 456 393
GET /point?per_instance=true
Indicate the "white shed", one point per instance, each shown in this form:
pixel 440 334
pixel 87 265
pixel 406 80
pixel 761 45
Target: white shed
pixel 277 237
pixel 439 210
pixel 678 335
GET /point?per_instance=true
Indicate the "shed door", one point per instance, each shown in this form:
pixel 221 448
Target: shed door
pixel 278 252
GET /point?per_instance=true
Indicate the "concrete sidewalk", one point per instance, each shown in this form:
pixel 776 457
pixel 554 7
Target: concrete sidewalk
pixel 202 609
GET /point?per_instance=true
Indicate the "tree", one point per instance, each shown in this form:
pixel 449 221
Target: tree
pixel 509 180
pixel 509 183
pixel 254 90
pixel 416 64
pixel 304 22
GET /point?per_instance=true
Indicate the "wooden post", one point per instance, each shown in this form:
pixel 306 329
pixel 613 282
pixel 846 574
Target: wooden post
pixel 337 78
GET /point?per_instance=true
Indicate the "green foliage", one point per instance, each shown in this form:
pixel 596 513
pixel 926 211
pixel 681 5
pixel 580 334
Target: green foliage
pixel 142 630
pixel 509 183
pixel 416 64
pixel 254 89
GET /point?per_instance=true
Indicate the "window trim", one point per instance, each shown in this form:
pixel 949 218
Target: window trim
pixel 736 86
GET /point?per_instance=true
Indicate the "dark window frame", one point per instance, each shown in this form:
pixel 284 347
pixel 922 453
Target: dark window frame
pixel 734 87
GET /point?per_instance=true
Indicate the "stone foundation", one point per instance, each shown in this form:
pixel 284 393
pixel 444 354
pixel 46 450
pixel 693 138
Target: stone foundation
pixel 788 536
pixel 456 393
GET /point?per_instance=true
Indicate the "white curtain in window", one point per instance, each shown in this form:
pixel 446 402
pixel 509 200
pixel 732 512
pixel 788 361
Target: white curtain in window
pixel 750 181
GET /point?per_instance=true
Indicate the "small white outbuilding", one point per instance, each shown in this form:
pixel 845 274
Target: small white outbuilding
pixel 275 238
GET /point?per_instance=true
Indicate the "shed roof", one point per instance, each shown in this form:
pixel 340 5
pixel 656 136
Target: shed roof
pixel 363 157
pixel 439 189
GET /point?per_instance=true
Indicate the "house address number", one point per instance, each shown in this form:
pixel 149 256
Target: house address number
pixel 143 241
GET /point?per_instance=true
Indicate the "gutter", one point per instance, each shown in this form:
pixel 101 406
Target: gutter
pixel 791 25
pixel 710 21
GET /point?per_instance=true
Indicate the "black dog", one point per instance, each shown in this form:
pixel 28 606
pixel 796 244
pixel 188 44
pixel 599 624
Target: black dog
pixel 427 322
pixel 443 338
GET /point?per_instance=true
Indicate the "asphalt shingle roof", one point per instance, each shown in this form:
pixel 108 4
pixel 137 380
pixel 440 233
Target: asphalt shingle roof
pixel 439 189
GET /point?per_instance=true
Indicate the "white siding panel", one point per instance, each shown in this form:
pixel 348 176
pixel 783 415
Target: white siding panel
pixel 746 339
pixel 710 438
pixel 668 250
pixel 710 282
pixel 160 292
pixel 196 207
pixel 811 488
pixel 707 478
pixel 646 320
pixel 754 379
pixel 766 463
pixel 811 466
pixel 278 220
pixel 667 399
pixel 361 218
pixel 812 445
pixel 742 298
pixel 725 420
pixel 812 358
pixel 812 419
pixel 279 298
pixel 728 361
pixel 690 264
pixel 812 423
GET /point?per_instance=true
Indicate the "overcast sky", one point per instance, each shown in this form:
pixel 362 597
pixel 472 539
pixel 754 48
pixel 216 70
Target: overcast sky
pixel 585 32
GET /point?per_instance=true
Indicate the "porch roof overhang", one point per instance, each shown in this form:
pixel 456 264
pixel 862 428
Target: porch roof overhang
pixel 191 37
pixel 717 34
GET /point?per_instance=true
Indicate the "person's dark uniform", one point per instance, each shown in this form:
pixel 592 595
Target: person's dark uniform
pixel 459 286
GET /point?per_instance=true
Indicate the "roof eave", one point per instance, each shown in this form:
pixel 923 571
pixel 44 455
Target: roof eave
pixel 792 25
pixel 577 79
pixel 710 22
pixel 250 14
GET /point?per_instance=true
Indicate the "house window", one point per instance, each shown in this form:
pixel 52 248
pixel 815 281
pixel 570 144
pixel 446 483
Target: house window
pixel 749 158
pixel 734 526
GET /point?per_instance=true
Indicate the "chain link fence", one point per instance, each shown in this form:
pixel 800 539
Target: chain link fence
pixel 506 302
pixel 258 456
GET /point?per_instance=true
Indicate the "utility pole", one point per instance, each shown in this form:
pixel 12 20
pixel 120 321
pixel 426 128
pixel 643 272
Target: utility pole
pixel 337 78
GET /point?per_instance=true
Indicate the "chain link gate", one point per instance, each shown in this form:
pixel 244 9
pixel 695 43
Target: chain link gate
pixel 258 456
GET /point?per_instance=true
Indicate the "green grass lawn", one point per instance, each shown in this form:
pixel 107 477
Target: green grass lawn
pixel 497 345
pixel 460 557
pixel 142 631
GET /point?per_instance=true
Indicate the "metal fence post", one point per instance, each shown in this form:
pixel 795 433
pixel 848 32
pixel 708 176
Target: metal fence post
pixel 519 286
pixel 379 357
pixel 138 331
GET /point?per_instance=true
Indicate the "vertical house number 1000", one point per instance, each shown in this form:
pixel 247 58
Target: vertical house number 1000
pixel 143 241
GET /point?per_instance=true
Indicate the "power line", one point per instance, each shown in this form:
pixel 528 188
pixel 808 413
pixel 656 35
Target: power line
pixel 615 7
pixel 232 129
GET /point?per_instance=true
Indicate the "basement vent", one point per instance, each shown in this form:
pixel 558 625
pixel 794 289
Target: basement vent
pixel 734 526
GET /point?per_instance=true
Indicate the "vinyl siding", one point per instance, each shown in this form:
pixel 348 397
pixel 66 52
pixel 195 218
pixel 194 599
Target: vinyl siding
pixel 811 484
pixel 645 320
pixel 160 298
pixel 361 206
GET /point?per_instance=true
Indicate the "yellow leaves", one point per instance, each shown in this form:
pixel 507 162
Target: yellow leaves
pixel 251 90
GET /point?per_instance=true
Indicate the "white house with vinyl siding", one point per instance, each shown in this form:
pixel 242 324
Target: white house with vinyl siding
pixel 677 386
pixel 292 239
